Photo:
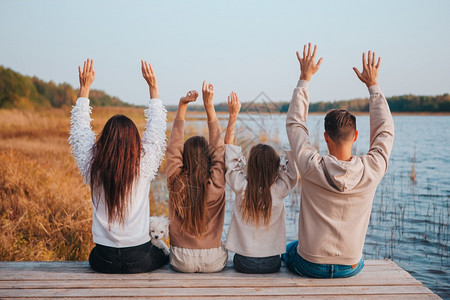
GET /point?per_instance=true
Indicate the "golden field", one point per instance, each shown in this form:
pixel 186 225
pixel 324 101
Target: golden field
pixel 45 208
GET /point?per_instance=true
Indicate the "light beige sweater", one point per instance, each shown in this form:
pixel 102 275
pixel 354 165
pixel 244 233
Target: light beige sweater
pixel 215 192
pixel 246 238
pixel 337 196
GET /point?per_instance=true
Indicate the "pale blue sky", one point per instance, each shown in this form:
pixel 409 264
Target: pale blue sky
pixel 245 46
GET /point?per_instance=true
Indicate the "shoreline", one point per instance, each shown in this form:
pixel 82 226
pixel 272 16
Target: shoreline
pixel 221 113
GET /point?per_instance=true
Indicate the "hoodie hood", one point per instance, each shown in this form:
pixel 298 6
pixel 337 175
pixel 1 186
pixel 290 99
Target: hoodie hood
pixel 343 175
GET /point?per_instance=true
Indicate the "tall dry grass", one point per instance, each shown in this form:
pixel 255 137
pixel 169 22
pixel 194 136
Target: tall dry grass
pixel 45 208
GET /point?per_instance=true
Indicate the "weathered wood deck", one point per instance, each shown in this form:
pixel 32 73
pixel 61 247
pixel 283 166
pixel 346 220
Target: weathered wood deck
pixel 379 279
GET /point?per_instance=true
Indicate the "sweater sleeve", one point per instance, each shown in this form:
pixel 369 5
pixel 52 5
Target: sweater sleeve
pixel 174 154
pixel 381 131
pixel 235 163
pixel 217 152
pixel 154 138
pixel 81 138
pixel 287 176
pixel 297 132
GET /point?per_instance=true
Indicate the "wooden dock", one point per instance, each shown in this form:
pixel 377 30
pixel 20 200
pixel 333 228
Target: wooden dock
pixel 379 279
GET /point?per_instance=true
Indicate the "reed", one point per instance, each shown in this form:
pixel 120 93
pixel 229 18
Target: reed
pixel 45 208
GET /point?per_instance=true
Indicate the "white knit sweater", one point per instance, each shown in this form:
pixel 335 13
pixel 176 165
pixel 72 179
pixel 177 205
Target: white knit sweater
pixel 134 231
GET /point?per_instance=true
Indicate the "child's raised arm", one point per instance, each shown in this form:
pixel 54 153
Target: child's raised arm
pixel 208 94
pixel 174 153
pixel 234 106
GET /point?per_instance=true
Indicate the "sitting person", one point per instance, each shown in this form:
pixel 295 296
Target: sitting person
pixel 257 232
pixel 119 168
pixel 196 183
pixel 337 189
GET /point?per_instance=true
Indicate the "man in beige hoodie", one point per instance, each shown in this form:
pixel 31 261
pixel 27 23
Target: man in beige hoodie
pixel 338 188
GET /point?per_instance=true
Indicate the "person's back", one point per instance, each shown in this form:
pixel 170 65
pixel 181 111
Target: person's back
pixel 196 183
pixel 119 168
pixel 337 189
pixel 257 231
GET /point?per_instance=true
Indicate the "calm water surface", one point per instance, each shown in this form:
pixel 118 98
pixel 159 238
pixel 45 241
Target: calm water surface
pixel 410 220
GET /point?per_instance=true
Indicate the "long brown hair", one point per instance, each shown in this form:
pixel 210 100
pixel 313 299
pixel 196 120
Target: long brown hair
pixel 115 165
pixel 187 189
pixel 262 171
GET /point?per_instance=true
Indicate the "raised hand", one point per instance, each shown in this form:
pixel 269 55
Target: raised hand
pixel 208 94
pixel 369 74
pixel 234 106
pixel 191 96
pixel 86 77
pixel 150 77
pixel 307 65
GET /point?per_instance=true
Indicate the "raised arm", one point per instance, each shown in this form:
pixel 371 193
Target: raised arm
pixel 174 154
pixel 150 78
pixel 86 77
pixel 234 106
pixel 82 137
pixel 287 176
pixel 235 164
pixel 298 110
pixel 381 122
pixel 154 137
pixel 216 145
pixel 208 94
pixel 191 96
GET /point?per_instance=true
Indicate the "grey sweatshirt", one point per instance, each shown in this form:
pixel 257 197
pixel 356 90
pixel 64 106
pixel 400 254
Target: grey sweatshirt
pixel 337 196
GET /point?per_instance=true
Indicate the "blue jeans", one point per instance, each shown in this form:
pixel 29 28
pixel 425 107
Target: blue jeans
pixel 256 265
pixel 301 266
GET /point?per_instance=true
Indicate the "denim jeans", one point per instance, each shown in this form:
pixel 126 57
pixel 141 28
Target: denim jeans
pixel 257 265
pixel 301 266
pixel 138 259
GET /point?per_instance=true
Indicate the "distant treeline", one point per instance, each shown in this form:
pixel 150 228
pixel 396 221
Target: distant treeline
pixel 24 92
pixel 406 103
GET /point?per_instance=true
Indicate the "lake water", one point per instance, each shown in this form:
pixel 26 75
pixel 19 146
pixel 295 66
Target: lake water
pixel 410 220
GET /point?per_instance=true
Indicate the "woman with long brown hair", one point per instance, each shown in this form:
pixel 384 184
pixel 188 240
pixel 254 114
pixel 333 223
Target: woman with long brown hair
pixel 257 232
pixel 119 167
pixel 196 182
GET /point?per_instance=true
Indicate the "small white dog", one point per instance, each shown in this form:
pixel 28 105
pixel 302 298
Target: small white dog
pixel 159 229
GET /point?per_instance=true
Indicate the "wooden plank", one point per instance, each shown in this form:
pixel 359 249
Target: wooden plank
pixel 379 280
pixel 256 291
pixel 33 275
pixel 85 264
pixel 49 271
pixel 316 297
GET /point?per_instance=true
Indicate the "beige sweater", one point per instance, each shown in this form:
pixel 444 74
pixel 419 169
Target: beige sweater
pixel 215 193
pixel 246 238
pixel 337 196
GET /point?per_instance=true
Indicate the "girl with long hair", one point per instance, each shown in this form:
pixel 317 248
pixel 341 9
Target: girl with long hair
pixel 196 183
pixel 257 232
pixel 119 167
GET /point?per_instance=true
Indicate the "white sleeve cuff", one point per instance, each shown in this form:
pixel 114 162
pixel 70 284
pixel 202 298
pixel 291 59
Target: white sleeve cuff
pixel 155 101
pixel 374 89
pixel 233 150
pixel 81 101
pixel 303 84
